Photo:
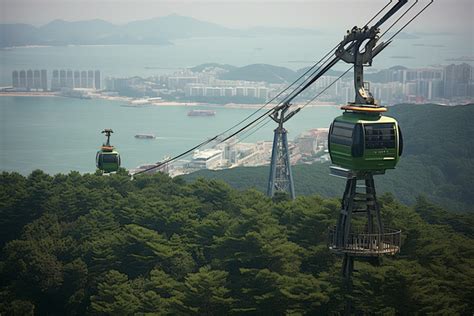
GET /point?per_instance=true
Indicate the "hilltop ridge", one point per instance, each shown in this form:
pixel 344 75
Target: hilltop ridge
pixel 156 31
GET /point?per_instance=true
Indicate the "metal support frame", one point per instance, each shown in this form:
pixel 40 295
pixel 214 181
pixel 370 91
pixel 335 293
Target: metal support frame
pixel 354 202
pixel 281 177
pixel 107 133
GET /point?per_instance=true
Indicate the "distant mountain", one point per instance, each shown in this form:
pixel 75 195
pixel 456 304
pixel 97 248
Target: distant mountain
pixel 261 72
pixel 60 32
pixel 18 35
pixel 155 31
pixel 176 26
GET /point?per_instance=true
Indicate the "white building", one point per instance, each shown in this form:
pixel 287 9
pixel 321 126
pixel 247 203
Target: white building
pixel 206 159
pixel 240 91
pixel 252 92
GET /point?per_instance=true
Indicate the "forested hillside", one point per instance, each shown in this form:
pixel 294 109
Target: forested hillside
pixel 438 161
pixel 93 245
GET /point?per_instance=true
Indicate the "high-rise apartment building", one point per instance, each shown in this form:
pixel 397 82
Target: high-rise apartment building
pixel 90 79
pixel 22 79
pixel 55 81
pixel 15 79
pixel 240 91
pixel 69 79
pixel 77 79
pixel 62 78
pixel 29 79
pixel 83 79
pixel 251 92
pixel 97 82
pixel 36 79
pixel 44 79
pixel 458 80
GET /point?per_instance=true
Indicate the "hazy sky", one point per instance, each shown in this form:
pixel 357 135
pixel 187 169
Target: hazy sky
pixel 443 15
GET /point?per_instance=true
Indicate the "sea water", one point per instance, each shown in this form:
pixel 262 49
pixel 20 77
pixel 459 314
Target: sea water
pixel 59 134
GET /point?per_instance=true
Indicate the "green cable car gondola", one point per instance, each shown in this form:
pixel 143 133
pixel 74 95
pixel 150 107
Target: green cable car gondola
pixel 365 141
pixel 107 158
pixel 362 140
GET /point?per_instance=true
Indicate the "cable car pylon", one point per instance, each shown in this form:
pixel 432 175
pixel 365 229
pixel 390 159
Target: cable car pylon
pixel 281 177
pixel 363 143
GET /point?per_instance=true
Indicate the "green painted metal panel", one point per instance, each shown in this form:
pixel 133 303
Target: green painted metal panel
pixel 380 142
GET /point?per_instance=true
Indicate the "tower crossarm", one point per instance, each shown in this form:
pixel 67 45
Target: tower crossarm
pixel 280 115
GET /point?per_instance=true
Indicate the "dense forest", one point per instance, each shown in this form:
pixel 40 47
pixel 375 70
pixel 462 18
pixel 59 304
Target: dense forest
pixel 95 245
pixel 438 161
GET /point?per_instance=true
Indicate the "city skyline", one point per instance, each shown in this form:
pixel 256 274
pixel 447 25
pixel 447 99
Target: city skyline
pixel 441 84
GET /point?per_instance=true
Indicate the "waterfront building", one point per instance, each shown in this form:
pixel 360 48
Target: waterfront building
pixel 36 79
pixel 29 79
pixel 457 80
pixel 206 159
pixel 410 88
pixel 251 92
pixel 180 82
pixel 62 78
pixel 55 81
pixel 240 91
pixel 118 84
pixel 262 93
pixel 195 91
pixel 212 92
pixel 83 79
pixel 312 141
pixel 44 79
pixel 228 91
pixel 90 79
pixel 69 79
pixel 77 79
pixel 97 82
pixel 15 79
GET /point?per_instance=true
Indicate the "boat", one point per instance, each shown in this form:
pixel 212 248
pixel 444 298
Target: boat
pixel 201 113
pixel 145 136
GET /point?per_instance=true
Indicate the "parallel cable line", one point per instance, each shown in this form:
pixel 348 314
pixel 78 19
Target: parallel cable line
pixel 317 74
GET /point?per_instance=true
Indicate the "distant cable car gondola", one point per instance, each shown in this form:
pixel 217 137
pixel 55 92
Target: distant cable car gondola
pixel 107 158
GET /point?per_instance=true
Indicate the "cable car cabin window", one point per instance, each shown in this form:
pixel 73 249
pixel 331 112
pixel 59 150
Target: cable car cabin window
pixel 378 136
pixel 98 161
pixel 342 133
pixel 109 158
pixel 400 141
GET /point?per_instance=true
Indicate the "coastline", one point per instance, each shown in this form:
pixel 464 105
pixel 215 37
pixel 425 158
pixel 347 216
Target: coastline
pixel 160 103
pixel 29 94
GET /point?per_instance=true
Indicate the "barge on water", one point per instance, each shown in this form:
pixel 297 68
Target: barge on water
pixel 201 113
pixel 145 136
